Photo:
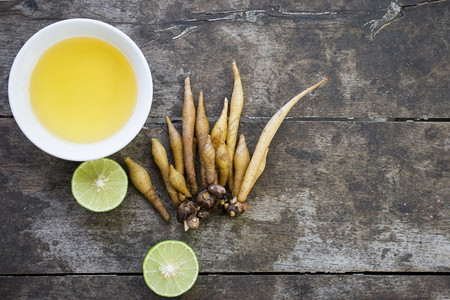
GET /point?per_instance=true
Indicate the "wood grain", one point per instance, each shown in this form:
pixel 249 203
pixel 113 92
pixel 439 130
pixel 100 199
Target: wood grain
pixel 335 197
pixel 383 61
pixel 349 189
pixel 348 287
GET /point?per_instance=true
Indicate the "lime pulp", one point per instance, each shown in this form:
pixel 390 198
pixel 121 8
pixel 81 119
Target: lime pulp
pixel 99 185
pixel 170 268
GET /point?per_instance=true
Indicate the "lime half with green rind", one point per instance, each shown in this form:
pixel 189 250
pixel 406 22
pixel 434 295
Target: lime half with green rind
pixel 99 185
pixel 170 268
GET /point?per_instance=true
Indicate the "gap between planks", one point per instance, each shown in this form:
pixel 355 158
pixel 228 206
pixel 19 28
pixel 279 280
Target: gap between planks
pixel 246 274
pixel 316 119
pixel 152 120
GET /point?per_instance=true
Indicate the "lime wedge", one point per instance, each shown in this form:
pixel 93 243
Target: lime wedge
pixel 170 268
pixel 99 185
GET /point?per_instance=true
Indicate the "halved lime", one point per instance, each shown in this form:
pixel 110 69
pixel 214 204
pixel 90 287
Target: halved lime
pixel 99 185
pixel 170 268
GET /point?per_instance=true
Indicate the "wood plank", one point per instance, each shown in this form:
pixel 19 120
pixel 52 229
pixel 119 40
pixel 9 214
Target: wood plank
pixel 335 197
pixel 232 287
pixel 398 70
pixel 155 11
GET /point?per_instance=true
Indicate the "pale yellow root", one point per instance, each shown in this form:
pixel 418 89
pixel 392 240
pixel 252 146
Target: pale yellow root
pixel 236 105
pixel 201 132
pixel 209 156
pixel 176 144
pixel 141 180
pixel 261 168
pixel 264 141
pixel 219 131
pixel 188 124
pixel 181 197
pixel 223 162
pixel 178 182
pixel 241 161
pixel 160 157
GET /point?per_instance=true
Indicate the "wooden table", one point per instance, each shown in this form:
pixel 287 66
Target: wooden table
pixel 355 199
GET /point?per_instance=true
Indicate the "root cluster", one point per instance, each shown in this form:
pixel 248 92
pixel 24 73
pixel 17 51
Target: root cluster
pixel 226 170
pixel 214 199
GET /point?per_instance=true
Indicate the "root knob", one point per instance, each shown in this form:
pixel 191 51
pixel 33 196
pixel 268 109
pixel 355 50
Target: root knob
pixel 193 222
pixel 217 190
pixel 236 209
pixel 185 209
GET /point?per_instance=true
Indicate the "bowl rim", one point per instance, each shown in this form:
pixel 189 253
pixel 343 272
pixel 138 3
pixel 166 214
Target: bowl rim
pixel 18 94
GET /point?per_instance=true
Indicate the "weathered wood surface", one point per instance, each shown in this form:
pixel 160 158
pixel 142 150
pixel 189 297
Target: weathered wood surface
pixel 335 197
pixel 385 59
pixel 258 287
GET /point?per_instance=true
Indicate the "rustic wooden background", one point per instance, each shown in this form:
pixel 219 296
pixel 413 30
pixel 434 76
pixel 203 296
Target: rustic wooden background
pixel 355 199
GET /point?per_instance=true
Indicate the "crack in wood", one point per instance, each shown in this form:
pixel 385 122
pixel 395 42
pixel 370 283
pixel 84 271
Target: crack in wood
pixel 254 15
pixel 251 16
pixel 420 3
pixel 393 13
pixel 184 32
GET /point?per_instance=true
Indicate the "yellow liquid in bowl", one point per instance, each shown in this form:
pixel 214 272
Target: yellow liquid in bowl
pixel 83 90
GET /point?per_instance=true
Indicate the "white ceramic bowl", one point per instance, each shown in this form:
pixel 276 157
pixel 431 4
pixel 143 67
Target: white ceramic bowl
pixel 23 66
